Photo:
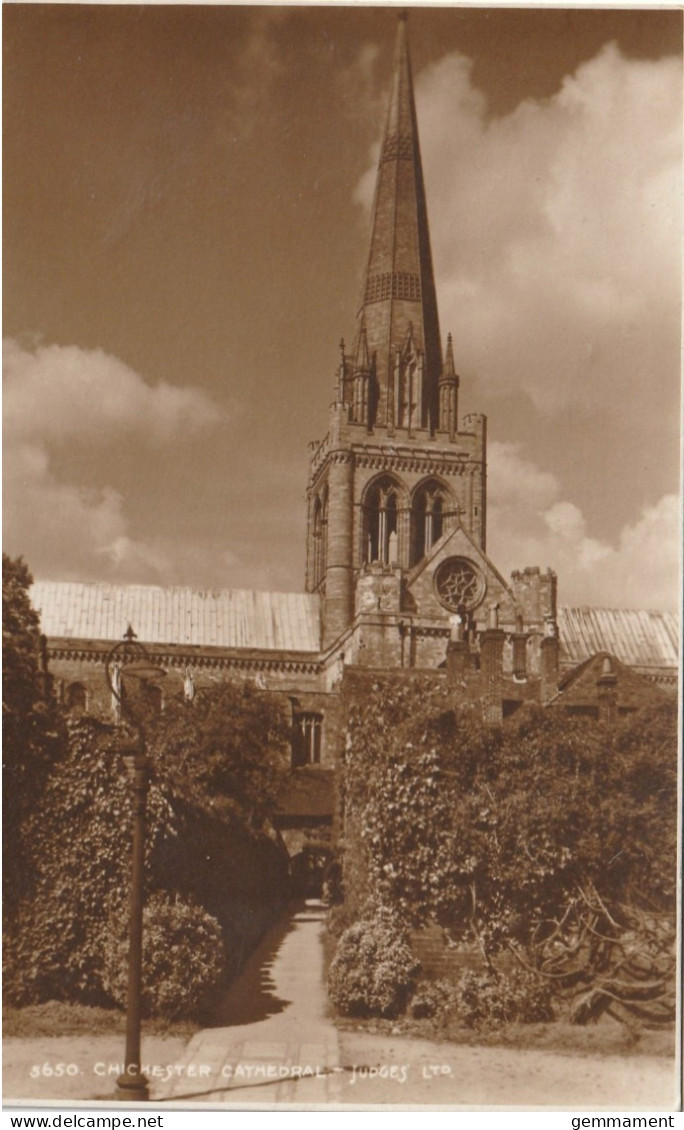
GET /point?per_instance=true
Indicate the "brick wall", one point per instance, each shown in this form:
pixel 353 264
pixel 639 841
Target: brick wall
pixel 440 960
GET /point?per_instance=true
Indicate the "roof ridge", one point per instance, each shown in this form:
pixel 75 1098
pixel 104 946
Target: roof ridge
pixel 609 608
pixel 176 588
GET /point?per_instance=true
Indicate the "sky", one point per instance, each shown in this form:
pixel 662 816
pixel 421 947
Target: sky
pixel 187 197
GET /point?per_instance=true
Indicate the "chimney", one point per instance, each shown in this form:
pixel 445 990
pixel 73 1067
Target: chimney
pixel 491 669
pixel 519 638
pixel 550 648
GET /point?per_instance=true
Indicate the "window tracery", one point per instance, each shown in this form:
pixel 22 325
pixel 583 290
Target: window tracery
pixel 459 584
pixel 306 739
pixel 427 519
pixel 320 536
pixel 381 514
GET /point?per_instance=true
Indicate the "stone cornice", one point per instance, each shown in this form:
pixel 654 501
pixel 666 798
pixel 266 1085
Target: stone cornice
pixel 341 455
pixel 420 461
pixel 325 455
pixel 399 455
pixel 662 679
pixel 182 655
pixel 394 458
pixel 318 457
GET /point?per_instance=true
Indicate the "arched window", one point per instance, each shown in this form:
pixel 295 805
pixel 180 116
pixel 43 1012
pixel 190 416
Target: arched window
pixel 427 519
pixel 381 518
pixel 307 730
pixel 320 536
pixel 76 698
pixel 317 541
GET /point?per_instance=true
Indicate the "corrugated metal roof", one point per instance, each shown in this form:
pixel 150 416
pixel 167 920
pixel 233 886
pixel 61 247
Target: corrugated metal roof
pixel 637 638
pixel 282 621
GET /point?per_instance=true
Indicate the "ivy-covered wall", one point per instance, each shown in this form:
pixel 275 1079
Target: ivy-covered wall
pixel 494 831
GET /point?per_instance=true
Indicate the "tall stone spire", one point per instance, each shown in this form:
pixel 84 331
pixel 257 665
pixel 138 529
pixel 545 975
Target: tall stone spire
pixel 399 304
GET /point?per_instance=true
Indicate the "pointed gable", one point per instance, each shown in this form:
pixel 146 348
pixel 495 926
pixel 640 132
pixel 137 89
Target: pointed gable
pixel 579 689
pixel 422 583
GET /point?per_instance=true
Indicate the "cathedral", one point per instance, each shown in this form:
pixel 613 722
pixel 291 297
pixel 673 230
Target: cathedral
pixel 397 574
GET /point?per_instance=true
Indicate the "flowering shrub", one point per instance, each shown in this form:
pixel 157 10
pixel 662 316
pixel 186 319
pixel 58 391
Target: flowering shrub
pixel 183 959
pixel 510 997
pixel 373 972
pixel 434 999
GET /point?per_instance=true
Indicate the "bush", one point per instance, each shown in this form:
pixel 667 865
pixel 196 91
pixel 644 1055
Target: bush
pixel 204 840
pixel 516 996
pixel 373 971
pixel 183 959
pixel 339 919
pixel 434 999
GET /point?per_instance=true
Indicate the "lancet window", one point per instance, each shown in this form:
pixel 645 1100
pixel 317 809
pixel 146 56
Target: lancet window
pixel 428 514
pixel 320 536
pixel 360 399
pixel 408 392
pixel 307 732
pixel 381 513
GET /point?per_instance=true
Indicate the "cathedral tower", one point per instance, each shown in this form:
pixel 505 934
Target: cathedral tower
pixel 395 475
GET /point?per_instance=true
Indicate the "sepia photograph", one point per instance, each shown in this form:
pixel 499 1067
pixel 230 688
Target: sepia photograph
pixel 341 560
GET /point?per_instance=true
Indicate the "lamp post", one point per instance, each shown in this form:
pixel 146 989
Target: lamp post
pixel 129 660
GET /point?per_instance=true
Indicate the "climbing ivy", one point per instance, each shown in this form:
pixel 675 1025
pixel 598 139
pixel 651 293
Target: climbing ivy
pixel 215 771
pixel 547 831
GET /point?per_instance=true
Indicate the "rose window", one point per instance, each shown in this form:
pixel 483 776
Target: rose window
pixel 459 584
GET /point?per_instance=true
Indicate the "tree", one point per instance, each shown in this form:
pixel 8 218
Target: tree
pixel 33 728
pixel 225 754
pixel 216 764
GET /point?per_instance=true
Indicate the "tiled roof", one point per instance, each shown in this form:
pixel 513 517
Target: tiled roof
pixel 637 638
pixel 227 618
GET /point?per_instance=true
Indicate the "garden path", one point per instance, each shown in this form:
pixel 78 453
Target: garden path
pixel 277 1045
pixel 274 1043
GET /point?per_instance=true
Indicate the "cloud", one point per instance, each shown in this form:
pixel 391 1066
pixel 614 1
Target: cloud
pixel 566 277
pixel 558 258
pixel 62 398
pixel 57 393
pixel 531 524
